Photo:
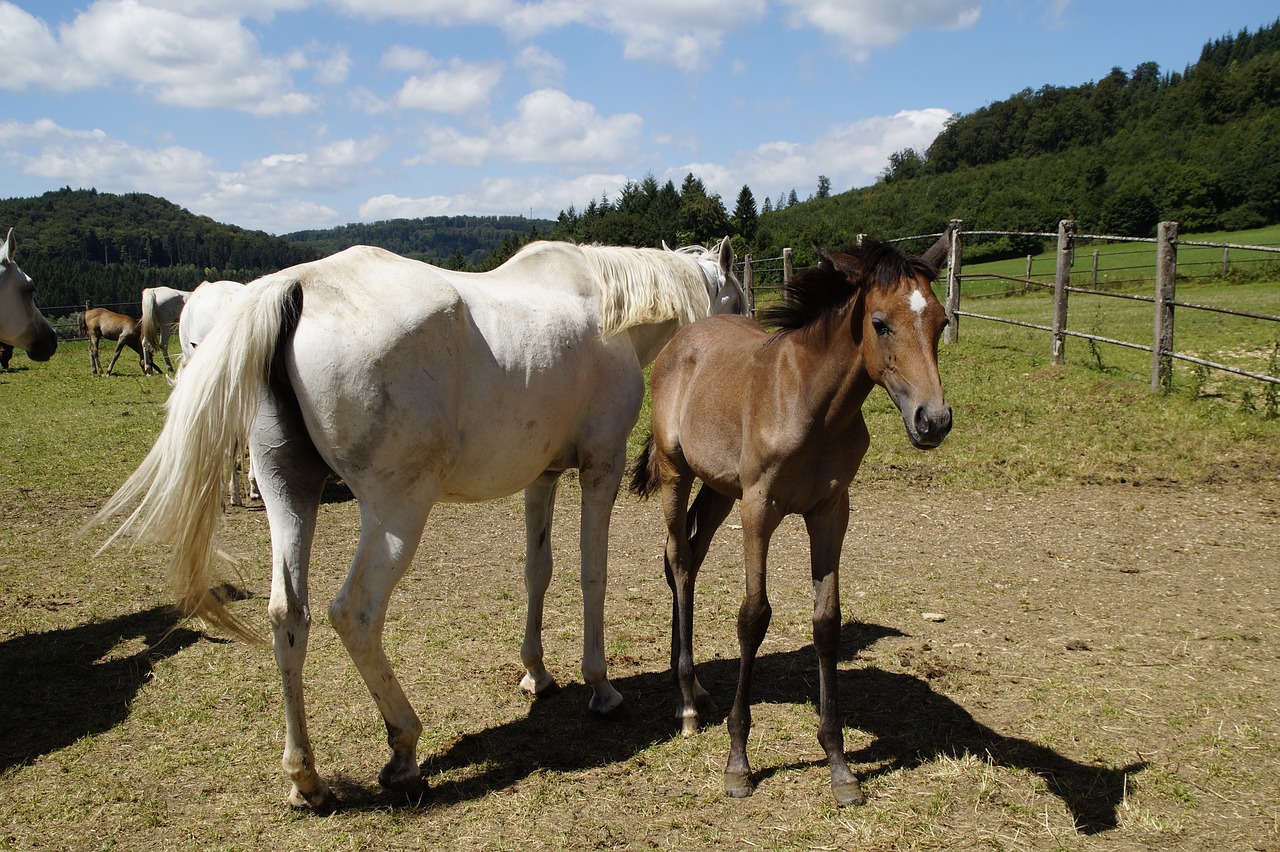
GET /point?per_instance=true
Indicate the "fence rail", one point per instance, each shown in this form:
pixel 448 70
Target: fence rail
pixel 1166 247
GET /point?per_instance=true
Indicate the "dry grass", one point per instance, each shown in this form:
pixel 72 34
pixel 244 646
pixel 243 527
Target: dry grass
pixel 1104 677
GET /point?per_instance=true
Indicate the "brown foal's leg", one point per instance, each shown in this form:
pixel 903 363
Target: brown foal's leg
pixel 826 528
pixel 758 524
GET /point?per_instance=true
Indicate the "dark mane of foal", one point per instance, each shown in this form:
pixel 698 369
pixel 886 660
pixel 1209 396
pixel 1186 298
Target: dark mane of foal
pixel 817 294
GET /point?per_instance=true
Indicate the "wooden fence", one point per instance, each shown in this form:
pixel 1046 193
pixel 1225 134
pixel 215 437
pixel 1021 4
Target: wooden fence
pixel 776 271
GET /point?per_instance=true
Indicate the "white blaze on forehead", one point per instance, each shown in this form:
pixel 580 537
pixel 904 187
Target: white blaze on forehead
pixel 917 301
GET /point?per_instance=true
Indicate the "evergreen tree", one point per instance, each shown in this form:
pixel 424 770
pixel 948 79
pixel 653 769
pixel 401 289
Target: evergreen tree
pixel 824 186
pixel 702 218
pixel 745 219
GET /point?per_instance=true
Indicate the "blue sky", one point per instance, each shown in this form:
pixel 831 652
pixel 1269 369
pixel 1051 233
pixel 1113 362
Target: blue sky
pixel 291 114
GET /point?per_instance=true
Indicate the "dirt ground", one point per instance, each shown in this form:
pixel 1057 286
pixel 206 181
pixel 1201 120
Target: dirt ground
pixel 1084 668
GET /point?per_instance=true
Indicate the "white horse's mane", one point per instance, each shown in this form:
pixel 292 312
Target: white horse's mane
pixel 644 285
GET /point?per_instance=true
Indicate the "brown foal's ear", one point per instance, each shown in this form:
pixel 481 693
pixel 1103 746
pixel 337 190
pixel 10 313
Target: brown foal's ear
pixel 843 263
pixel 937 254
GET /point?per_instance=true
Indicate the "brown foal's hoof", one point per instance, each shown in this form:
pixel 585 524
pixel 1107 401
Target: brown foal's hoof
pixel 738 786
pixel 848 794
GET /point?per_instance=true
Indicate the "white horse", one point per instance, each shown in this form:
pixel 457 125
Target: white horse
pixel 203 308
pixel 161 310
pixel 415 385
pixel 21 323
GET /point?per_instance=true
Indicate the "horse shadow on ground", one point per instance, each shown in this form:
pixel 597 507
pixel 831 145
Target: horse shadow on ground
pixel 65 684
pixel 911 724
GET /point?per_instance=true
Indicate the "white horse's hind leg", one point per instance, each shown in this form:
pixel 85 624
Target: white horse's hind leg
pixel 599 489
pixel 389 536
pixel 293 478
pixel 539 506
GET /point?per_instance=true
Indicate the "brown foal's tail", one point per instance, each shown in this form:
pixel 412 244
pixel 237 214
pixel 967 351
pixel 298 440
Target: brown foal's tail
pixel 644 471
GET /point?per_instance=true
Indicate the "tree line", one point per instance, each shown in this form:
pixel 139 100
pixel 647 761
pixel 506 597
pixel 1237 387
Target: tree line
pixel 1117 155
pixel 456 242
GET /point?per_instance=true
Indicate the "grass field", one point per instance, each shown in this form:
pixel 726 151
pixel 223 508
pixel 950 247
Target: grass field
pixel 1128 263
pixel 1103 676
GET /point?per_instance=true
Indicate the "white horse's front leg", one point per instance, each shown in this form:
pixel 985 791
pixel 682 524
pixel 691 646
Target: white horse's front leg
pixel 599 489
pixel 539 507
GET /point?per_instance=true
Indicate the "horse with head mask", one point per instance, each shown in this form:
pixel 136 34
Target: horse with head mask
pixel 443 386
pixel 775 421
pixel 21 323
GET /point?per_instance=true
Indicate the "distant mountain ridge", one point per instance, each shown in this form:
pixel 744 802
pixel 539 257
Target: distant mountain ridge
pixel 443 240
pixel 84 246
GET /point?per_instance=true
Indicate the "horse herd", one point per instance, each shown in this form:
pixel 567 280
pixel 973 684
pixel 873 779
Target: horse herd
pixel 462 387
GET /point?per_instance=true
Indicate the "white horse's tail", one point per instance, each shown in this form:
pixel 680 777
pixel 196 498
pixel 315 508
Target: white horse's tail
pixel 150 324
pixel 178 488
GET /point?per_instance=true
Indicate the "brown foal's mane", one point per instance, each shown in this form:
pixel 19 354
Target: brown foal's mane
pixel 816 295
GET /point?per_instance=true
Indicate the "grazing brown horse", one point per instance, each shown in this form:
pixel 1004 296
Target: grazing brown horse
pixel 775 420
pixel 98 324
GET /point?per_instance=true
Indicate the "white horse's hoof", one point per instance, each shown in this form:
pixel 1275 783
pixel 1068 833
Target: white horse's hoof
pixel 604 700
pixel 321 800
pixel 538 686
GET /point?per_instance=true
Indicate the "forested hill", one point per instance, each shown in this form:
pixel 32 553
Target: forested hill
pixel 1118 155
pixel 454 241
pixel 88 246
pixel 96 247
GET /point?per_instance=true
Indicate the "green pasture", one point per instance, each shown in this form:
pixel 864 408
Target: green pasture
pixel 1020 422
pixel 1123 265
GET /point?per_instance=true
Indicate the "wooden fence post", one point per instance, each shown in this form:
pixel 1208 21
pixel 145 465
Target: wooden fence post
pixel 1166 272
pixel 1061 281
pixel 955 260
pixel 787 267
pixel 749 284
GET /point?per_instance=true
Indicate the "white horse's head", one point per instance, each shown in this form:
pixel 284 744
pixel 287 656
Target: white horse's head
pixel 21 323
pixel 727 295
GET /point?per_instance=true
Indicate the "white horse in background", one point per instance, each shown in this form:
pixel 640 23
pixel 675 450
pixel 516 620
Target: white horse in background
pixel 416 385
pixel 203 308
pixel 161 310
pixel 21 323
pixel 201 311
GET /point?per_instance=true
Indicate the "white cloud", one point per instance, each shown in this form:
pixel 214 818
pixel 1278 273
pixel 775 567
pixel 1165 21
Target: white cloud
pixel 684 34
pixel 179 60
pixel 333 68
pixel 399 57
pixel 460 88
pixel 544 70
pixel 496 196
pixel 90 158
pixel 863 24
pixel 549 127
pixel 326 168
pixel 279 216
pixel 259 194
pixel 851 155
pixel 31 54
